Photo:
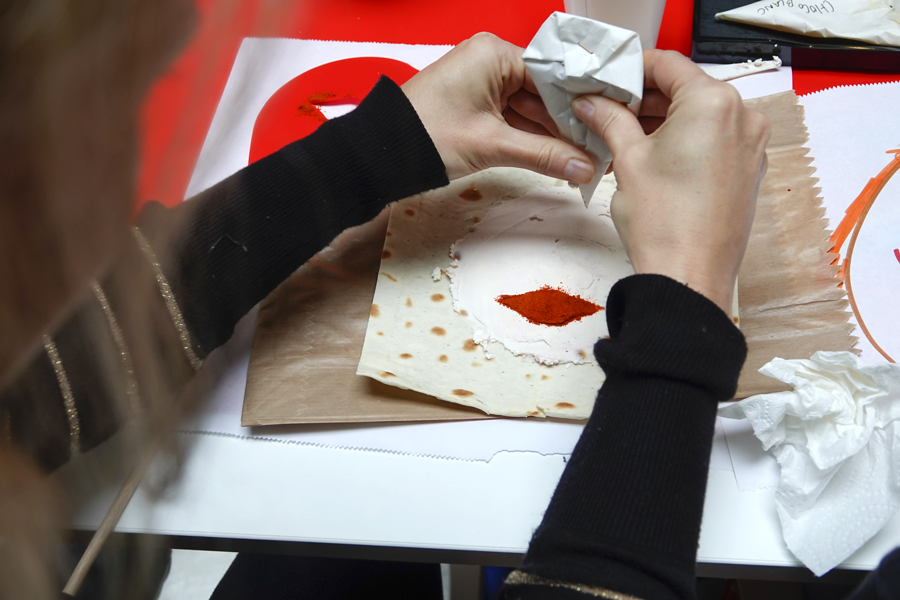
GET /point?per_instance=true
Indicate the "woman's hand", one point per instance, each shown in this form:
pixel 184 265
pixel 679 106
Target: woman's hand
pixel 687 183
pixel 482 110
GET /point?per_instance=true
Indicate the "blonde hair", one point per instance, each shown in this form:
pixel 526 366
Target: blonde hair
pixel 72 76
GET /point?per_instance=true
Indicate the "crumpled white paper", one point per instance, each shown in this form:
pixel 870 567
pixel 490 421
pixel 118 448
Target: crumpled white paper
pixel 837 440
pixel 873 21
pixel 571 56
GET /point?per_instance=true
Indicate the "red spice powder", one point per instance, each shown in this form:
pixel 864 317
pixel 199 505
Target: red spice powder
pixel 310 108
pixel 549 306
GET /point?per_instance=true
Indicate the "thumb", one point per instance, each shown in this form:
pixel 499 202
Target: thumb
pixel 612 121
pixel 543 154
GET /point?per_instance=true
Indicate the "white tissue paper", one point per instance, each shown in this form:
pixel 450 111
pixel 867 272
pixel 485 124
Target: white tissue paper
pixel 872 21
pixel 837 441
pixel 571 56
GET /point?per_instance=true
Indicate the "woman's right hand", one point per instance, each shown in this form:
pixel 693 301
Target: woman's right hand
pixel 687 184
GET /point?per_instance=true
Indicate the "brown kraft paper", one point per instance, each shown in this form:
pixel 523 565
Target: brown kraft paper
pixel 310 329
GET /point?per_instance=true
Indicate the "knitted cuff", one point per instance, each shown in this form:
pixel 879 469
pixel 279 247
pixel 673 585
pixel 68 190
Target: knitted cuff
pixel 661 328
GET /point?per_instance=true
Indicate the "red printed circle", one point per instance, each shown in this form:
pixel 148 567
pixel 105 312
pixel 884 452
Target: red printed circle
pixel 292 112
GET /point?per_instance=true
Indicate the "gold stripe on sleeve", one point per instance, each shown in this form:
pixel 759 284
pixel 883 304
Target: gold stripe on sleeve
pixel 169 298
pixel 68 397
pixel 131 387
pixel 520 578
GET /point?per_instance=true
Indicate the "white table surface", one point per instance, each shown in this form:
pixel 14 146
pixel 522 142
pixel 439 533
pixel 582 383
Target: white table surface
pixel 253 489
pixel 259 490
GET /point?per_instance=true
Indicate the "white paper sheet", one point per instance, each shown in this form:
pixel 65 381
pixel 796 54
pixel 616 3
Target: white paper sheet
pixel 762 83
pixel 852 131
pixel 754 469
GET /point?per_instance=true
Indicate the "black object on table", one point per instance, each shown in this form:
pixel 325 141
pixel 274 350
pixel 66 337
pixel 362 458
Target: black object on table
pixel 725 42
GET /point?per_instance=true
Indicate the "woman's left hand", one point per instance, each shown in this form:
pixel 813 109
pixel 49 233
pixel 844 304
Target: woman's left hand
pixel 482 110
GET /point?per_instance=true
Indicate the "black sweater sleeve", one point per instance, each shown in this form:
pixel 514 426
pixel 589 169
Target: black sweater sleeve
pixel 626 514
pixel 188 274
pixel 244 236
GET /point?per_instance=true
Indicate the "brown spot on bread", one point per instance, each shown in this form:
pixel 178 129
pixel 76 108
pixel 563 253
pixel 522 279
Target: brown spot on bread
pixel 389 234
pixel 464 313
pixel 408 324
pixel 387 374
pixel 410 212
pixel 405 355
pixel 374 311
pixel 736 320
pixel 477 364
pixel 544 377
pixel 438 331
pixel 582 354
pixel 437 297
pixel 535 218
pixel 471 230
pixel 443 358
pixel 409 302
pixel 534 413
pixel 389 276
pixel 380 332
pixel 476 219
pixel 561 405
pixel 471 194
pixel 528 376
pixel 463 393
pixel 470 345
pixel 386 254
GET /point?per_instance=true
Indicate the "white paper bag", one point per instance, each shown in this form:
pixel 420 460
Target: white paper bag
pixel 873 21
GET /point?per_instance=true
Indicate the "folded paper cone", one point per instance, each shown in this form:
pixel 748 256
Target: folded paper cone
pixel 572 56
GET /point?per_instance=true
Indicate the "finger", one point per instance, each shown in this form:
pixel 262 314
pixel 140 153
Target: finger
pixel 522 124
pixel 670 72
pixel 651 124
pixel 512 68
pixel 532 108
pixel 654 104
pixel 542 154
pixel 763 169
pixel 529 85
pixel 612 121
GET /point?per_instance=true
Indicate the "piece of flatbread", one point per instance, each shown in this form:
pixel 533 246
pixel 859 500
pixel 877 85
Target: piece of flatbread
pixel 545 239
pixel 416 340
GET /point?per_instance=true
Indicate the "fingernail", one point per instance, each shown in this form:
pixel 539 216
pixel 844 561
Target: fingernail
pixel 583 108
pixel 578 171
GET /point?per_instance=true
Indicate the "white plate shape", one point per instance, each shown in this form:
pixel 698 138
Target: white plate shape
pixel 873 267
